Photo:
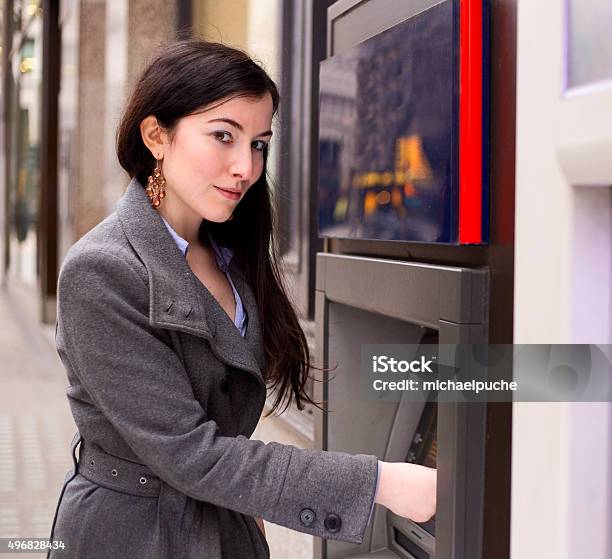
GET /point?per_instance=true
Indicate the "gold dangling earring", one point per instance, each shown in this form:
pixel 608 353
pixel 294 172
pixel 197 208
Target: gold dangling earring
pixel 155 185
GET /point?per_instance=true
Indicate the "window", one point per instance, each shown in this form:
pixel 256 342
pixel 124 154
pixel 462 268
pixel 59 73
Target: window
pixel 24 147
pixel 589 49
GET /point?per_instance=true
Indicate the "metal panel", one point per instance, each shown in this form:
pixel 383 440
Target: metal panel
pixel 454 333
pixel 348 26
pixel 461 299
pixel 456 295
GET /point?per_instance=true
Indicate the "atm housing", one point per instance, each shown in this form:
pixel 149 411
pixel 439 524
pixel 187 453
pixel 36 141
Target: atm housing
pixel 411 303
pixel 378 300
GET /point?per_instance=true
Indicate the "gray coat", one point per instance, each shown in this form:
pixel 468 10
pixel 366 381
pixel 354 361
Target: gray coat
pixel 166 393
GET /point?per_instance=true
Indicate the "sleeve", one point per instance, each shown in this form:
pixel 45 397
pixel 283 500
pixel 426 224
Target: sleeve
pixel 142 388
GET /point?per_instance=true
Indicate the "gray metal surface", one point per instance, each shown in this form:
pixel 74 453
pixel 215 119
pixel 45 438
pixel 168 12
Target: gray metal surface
pixel 368 300
pixel 454 296
pixel 356 425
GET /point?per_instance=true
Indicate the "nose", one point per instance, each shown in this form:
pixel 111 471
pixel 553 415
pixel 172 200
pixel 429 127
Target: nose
pixel 242 164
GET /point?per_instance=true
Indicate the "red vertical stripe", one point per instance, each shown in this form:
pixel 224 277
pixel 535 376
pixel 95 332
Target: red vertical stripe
pixel 470 121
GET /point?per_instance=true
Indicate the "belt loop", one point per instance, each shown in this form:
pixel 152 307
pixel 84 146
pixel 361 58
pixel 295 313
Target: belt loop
pixel 76 440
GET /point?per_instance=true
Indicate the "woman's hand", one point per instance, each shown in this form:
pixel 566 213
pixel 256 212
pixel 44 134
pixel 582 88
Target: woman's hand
pixel 408 490
pixel 261 525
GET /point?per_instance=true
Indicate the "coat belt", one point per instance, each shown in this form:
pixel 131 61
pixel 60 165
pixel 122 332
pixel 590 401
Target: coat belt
pixel 132 478
pixel 116 473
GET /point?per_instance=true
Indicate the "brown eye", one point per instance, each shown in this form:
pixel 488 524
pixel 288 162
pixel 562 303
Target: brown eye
pixel 223 137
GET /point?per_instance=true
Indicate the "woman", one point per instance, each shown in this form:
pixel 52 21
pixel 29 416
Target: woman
pixel 172 321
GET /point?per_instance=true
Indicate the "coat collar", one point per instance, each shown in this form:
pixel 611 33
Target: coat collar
pixel 177 298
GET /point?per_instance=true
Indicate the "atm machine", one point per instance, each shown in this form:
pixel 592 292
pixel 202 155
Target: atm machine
pixel 403 170
pixel 364 301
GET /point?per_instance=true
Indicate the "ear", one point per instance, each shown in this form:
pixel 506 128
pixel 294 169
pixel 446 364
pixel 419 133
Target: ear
pixel 153 136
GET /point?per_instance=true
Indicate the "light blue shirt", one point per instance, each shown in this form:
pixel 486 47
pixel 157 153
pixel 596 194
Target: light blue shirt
pixel 223 257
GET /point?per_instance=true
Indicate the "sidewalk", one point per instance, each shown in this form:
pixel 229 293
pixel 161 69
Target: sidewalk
pixel 35 422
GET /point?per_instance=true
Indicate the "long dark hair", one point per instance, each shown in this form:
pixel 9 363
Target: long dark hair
pixel 184 78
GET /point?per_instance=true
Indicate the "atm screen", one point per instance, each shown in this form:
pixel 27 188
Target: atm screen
pixel 389 149
pixel 424 449
pixel 386 154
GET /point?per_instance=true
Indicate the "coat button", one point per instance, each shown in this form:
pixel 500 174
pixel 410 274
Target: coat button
pixel 307 517
pixel 226 384
pixel 332 522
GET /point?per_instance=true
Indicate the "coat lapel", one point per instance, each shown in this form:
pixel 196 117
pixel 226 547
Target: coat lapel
pixel 177 298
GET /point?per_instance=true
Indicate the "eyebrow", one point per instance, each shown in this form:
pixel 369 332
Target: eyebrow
pixel 239 126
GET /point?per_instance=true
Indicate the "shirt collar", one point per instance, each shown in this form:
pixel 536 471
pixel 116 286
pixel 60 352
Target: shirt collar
pixel 180 242
pixel 223 255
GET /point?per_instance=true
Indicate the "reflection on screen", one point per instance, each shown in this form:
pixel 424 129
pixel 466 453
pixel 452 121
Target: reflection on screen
pixel 386 130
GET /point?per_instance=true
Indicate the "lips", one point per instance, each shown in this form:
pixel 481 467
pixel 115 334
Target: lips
pixel 229 194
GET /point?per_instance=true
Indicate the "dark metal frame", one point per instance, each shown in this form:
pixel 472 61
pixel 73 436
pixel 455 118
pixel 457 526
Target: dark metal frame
pixel 291 38
pixel 303 47
pixel 48 203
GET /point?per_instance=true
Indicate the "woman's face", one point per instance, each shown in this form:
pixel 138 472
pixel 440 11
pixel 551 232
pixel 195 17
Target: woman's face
pixel 215 156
